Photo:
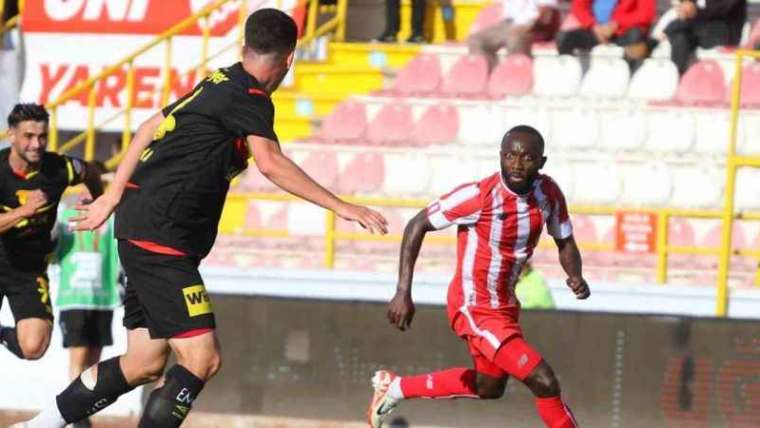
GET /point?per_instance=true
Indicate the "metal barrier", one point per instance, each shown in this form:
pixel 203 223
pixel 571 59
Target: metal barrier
pixel 733 162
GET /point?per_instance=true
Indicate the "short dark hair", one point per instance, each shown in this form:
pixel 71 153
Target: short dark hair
pixel 528 130
pixel 270 31
pixel 27 111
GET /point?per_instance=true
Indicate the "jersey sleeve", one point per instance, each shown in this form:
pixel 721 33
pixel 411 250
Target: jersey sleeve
pixel 250 114
pixel 76 170
pixel 461 206
pixel 558 223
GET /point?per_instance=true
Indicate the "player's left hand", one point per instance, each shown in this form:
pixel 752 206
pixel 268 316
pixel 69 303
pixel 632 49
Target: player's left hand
pixel 401 310
pixel 367 218
pixel 92 215
pixel 579 287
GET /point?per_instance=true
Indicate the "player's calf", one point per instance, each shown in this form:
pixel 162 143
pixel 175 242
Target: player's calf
pixel 169 405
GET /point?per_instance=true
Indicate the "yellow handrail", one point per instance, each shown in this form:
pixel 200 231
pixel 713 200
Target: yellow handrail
pixel 733 162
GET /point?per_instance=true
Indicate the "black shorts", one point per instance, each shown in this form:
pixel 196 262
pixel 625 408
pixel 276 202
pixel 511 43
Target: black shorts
pixel 28 293
pixel 164 294
pixel 86 327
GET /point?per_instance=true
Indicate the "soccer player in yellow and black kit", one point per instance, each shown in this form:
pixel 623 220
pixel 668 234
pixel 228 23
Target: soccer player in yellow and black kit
pixel 32 181
pixel 168 194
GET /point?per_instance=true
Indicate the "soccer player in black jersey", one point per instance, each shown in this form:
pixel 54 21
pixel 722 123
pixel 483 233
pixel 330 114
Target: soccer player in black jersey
pixel 32 181
pixel 168 194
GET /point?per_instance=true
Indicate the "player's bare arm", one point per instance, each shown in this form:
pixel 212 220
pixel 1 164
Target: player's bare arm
pixel 283 172
pixel 36 199
pixel 570 259
pixel 91 179
pixel 95 214
pixel 401 307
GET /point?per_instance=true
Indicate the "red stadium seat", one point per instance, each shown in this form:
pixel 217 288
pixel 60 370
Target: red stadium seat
pixel 487 17
pixel 680 234
pixel 467 77
pixel 438 125
pixel 513 76
pixel 363 174
pixel 702 84
pixel 750 86
pixel 322 166
pixel 738 240
pixel 392 125
pixel 254 181
pixel 252 217
pixel 346 123
pixel 421 76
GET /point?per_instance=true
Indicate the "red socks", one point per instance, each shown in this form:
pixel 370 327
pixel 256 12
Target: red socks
pixel 451 383
pixel 555 413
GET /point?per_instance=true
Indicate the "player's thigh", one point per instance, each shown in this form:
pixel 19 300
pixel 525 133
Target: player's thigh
pixel 28 294
pixel 518 358
pixel 145 358
pixel 169 291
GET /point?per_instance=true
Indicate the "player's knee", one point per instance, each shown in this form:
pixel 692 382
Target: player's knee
pixel 490 392
pixel 205 363
pixel 33 347
pixel 542 382
pixel 142 371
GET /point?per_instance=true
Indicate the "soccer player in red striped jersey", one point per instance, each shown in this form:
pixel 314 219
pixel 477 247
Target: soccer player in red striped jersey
pixel 499 220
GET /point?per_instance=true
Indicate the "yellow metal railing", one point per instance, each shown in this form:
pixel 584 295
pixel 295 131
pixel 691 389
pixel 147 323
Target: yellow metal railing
pixel 733 162
pixel 12 21
pixel 662 249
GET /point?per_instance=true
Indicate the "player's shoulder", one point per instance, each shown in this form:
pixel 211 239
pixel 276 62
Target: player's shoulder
pixel 53 160
pixel 548 186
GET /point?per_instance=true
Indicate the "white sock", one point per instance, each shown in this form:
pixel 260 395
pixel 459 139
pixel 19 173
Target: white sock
pixel 47 418
pixel 394 390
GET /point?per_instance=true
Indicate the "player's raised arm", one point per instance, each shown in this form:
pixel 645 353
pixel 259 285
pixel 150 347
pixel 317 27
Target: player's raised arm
pixel 570 259
pixel 96 213
pixel 401 307
pixel 283 172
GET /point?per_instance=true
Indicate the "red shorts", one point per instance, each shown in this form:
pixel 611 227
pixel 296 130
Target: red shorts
pixel 496 345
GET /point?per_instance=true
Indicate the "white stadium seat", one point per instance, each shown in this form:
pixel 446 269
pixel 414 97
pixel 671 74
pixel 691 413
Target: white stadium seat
pixel 406 175
pixel 647 185
pixel 480 123
pixel 622 130
pixel 697 187
pixel 747 195
pixel 606 78
pixel 449 172
pixel 306 219
pixel 556 76
pixel 534 116
pixel 748 140
pixel 712 132
pixel 596 183
pixel 575 128
pixel 655 80
pixel 562 173
pixel 670 130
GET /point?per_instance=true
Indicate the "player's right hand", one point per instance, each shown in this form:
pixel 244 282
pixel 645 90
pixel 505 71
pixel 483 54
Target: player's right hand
pixel 401 310
pixel 368 218
pixel 93 215
pixel 35 200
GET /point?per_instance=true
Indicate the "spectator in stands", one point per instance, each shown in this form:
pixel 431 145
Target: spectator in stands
pixel 525 21
pixel 705 24
pixel 393 21
pixel 532 290
pixel 623 22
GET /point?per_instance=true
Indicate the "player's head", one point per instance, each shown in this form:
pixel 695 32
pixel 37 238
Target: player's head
pixel 522 156
pixel 270 36
pixel 28 131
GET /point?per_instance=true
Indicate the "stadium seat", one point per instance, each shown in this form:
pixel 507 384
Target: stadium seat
pixel 556 76
pixel 346 123
pixel 712 131
pixel 252 217
pixel 646 185
pixel 747 197
pixel 584 229
pixel 575 128
pixel 254 181
pixel 713 236
pixel 670 130
pixel 534 116
pixel 562 173
pixel 391 125
pixel 363 174
pixel 513 76
pixel 467 77
pixel 406 175
pixel 448 172
pixel 606 78
pixel 322 166
pixel 749 133
pixel 481 123
pixel 596 183
pixel 697 187
pixel 622 130
pixel 421 76
pixel 488 16
pixel 702 84
pixel 655 80
pixel 680 234
pixel 439 124
pixel 750 90
pixel 305 219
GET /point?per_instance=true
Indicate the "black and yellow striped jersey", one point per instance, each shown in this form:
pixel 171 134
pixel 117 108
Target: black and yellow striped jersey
pixel 28 244
pixel 176 194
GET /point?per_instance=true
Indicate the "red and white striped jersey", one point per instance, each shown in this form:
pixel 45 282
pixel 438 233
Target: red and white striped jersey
pixel 497 233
